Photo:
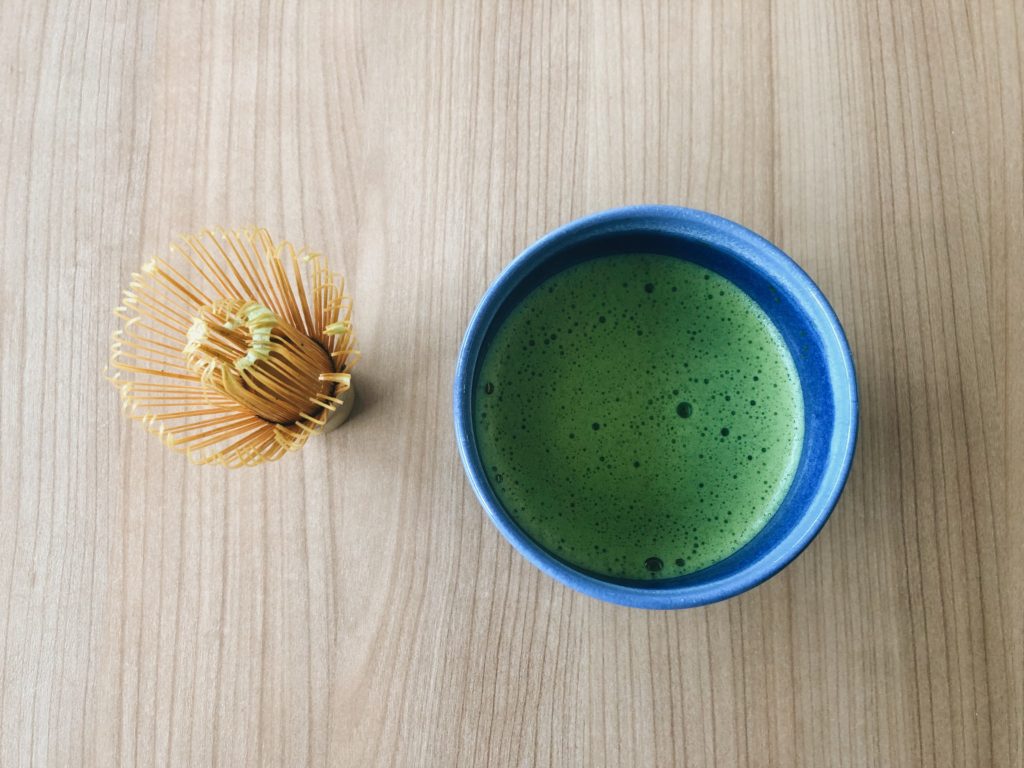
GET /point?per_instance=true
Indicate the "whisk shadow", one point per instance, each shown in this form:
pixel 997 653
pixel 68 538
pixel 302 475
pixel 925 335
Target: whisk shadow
pixel 367 395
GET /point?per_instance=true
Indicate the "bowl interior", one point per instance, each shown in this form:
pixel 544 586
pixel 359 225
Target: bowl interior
pixel 805 322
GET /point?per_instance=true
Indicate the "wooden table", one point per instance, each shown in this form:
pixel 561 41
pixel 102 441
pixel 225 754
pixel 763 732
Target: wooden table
pixel 350 604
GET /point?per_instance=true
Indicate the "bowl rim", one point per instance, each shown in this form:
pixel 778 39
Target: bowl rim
pixel 770 263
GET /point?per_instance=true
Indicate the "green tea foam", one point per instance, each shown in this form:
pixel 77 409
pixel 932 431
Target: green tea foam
pixel 639 416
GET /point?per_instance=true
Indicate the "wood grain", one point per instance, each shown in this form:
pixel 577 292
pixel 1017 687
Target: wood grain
pixel 350 605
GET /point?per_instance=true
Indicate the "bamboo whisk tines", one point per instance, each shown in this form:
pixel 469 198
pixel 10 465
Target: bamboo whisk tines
pixel 237 363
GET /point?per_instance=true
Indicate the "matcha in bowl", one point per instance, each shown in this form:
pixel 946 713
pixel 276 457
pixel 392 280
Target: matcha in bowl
pixel 656 407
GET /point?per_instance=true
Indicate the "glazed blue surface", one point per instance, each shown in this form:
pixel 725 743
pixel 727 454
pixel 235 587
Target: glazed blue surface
pixel 803 317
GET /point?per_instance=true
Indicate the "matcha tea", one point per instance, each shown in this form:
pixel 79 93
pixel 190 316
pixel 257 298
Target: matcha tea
pixel 639 416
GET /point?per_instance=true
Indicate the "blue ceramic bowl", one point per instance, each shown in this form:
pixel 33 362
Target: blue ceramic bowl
pixel 806 322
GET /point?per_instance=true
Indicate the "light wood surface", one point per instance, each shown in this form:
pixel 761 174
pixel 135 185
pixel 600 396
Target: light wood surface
pixel 351 605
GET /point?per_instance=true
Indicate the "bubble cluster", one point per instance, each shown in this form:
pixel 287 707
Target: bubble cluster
pixel 639 416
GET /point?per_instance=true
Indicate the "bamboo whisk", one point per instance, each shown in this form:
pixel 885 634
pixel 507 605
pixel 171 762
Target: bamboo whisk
pixel 236 364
